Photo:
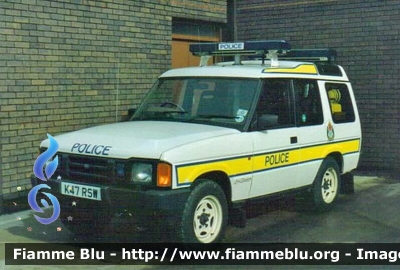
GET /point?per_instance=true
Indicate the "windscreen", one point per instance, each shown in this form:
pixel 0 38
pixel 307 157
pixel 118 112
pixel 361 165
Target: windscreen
pixel 215 101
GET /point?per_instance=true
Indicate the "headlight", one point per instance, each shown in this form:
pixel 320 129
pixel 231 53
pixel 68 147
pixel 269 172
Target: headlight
pixel 141 173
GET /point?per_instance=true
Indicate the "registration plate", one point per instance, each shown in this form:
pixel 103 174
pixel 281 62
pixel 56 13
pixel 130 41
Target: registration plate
pixel 81 191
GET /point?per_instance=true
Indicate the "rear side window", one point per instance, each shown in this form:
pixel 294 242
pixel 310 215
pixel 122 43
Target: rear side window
pixel 340 102
pixel 309 108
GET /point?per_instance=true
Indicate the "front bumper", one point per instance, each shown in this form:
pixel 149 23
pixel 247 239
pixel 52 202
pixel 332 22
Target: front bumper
pixel 140 208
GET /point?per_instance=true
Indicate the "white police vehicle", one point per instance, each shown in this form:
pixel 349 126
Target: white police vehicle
pixel 207 139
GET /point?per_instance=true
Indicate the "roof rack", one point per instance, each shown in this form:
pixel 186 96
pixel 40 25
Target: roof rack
pixel 312 55
pixel 267 49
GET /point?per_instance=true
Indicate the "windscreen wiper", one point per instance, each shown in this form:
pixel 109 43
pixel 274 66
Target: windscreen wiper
pixel 210 116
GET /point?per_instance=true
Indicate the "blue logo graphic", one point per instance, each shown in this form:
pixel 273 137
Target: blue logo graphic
pixel 32 202
pixel 41 164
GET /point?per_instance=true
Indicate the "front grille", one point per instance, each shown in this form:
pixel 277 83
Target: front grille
pixel 87 169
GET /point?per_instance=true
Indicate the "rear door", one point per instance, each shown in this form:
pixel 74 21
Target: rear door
pixel 312 131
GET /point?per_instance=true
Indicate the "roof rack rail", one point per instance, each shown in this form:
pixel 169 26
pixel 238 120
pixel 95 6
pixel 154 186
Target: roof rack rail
pixel 312 55
pixel 267 49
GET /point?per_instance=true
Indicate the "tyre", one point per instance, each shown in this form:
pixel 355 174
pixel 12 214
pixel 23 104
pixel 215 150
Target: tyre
pixel 205 215
pixel 326 186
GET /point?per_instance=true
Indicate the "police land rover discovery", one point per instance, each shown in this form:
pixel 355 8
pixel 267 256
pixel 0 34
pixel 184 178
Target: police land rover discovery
pixel 207 139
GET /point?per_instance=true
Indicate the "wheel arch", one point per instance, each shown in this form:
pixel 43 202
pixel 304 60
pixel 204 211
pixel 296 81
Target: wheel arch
pixel 338 157
pixel 219 177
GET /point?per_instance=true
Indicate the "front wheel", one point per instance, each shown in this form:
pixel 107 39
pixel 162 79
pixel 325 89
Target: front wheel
pixel 326 185
pixel 205 214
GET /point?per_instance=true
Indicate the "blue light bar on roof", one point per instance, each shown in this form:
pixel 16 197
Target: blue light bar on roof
pixel 242 48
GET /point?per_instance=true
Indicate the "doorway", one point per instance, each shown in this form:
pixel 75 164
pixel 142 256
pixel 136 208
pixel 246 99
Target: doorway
pixel 185 33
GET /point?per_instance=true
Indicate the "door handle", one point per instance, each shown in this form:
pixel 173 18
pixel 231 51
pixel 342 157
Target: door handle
pixel 293 139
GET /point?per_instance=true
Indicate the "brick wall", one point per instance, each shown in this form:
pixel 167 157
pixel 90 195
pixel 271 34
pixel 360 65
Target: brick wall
pixel 366 35
pixel 64 63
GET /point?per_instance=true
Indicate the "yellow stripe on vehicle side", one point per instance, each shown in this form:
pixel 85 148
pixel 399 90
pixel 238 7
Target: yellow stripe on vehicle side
pixel 303 69
pixel 235 166
pixel 275 159
pixel 321 151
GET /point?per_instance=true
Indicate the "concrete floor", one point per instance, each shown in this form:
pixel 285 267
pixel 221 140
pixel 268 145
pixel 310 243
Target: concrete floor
pixel 369 216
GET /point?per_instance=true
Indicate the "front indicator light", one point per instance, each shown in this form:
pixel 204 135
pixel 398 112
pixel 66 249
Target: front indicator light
pixel 164 175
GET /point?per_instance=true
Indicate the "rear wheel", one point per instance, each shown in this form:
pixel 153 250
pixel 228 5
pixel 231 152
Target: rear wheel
pixel 326 185
pixel 205 214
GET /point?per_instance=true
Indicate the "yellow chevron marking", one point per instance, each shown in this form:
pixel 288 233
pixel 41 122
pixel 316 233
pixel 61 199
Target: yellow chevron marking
pixel 303 69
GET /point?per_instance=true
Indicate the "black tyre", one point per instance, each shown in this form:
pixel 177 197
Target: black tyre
pixel 205 215
pixel 326 186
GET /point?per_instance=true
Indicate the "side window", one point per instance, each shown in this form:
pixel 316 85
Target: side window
pixel 275 106
pixel 309 108
pixel 340 102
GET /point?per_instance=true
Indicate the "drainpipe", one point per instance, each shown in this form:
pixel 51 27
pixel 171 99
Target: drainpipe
pixel 234 21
